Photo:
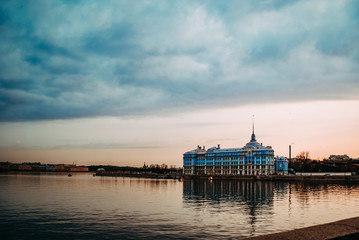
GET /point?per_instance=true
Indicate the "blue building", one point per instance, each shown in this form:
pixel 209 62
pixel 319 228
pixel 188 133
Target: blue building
pixel 252 159
pixel 281 166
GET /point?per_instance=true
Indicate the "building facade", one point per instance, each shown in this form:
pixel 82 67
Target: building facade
pixel 281 166
pixel 252 159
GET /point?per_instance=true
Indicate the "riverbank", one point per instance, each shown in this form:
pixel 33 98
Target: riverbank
pixel 235 177
pixel 346 229
pixel 140 175
pixel 276 178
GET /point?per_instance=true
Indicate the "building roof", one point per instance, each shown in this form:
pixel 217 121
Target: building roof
pixel 198 150
pixel 251 145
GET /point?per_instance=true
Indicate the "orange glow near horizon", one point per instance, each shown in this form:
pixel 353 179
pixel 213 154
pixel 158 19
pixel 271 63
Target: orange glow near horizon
pixel 321 127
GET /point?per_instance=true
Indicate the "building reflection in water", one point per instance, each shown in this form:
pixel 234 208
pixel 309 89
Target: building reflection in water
pixel 248 196
pixel 250 192
pixel 254 206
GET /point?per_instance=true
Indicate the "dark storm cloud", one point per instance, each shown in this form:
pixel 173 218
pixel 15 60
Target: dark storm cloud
pixel 118 58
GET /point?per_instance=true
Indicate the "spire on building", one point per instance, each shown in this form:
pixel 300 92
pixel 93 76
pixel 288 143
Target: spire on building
pixel 253 124
pixel 253 138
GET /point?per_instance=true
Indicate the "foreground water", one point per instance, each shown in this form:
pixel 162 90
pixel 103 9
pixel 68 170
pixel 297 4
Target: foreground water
pixel 55 206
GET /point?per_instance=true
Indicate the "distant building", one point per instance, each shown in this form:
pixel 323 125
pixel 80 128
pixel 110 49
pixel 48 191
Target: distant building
pixel 78 169
pixel 50 167
pixel 59 168
pixel 281 166
pixel 337 159
pixel 252 159
pixel 24 168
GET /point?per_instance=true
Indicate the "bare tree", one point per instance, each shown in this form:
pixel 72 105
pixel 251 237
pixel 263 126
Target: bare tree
pixel 303 155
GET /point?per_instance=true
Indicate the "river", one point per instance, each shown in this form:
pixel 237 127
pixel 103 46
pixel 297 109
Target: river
pixel 55 206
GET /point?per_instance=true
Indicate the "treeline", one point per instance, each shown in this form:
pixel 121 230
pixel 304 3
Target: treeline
pixel 153 168
pixel 303 163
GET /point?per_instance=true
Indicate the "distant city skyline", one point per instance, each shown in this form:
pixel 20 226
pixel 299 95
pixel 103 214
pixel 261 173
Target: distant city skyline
pixel 124 82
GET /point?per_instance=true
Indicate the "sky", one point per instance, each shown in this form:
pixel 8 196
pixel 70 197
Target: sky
pixel 128 82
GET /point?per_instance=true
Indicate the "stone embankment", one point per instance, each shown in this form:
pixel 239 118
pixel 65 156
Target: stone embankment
pixel 234 177
pixel 140 175
pixel 341 230
pixel 277 178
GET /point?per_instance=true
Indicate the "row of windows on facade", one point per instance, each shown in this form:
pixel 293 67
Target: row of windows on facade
pixel 228 167
pixel 230 163
pixel 236 161
pixel 240 153
pixel 233 154
pixel 229 158
pixel 244 172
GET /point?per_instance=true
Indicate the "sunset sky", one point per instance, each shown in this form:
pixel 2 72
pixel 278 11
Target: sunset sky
pixel 128 82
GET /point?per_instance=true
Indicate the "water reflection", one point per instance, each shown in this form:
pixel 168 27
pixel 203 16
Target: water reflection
pixel 273 206
pixel 87 207
pixel 255 193
pixel 246 198
pixel 250 192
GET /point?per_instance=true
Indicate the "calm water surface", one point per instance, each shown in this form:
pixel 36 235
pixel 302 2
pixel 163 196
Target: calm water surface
pixel 55 206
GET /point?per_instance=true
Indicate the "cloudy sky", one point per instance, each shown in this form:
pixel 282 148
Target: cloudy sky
pixel 127 82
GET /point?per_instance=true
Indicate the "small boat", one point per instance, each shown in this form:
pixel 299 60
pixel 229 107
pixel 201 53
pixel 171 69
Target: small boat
pixel 181 179
pixel 210 178
pixel 70 175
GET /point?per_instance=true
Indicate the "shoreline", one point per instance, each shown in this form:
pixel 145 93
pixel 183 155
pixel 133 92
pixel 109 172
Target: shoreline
pixel 340 230
pixel 275 178
pixel 237 177
pixel 290 178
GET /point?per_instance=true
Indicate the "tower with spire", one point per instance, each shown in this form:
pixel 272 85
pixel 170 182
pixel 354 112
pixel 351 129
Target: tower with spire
pixel 252 159
pixel 253 138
